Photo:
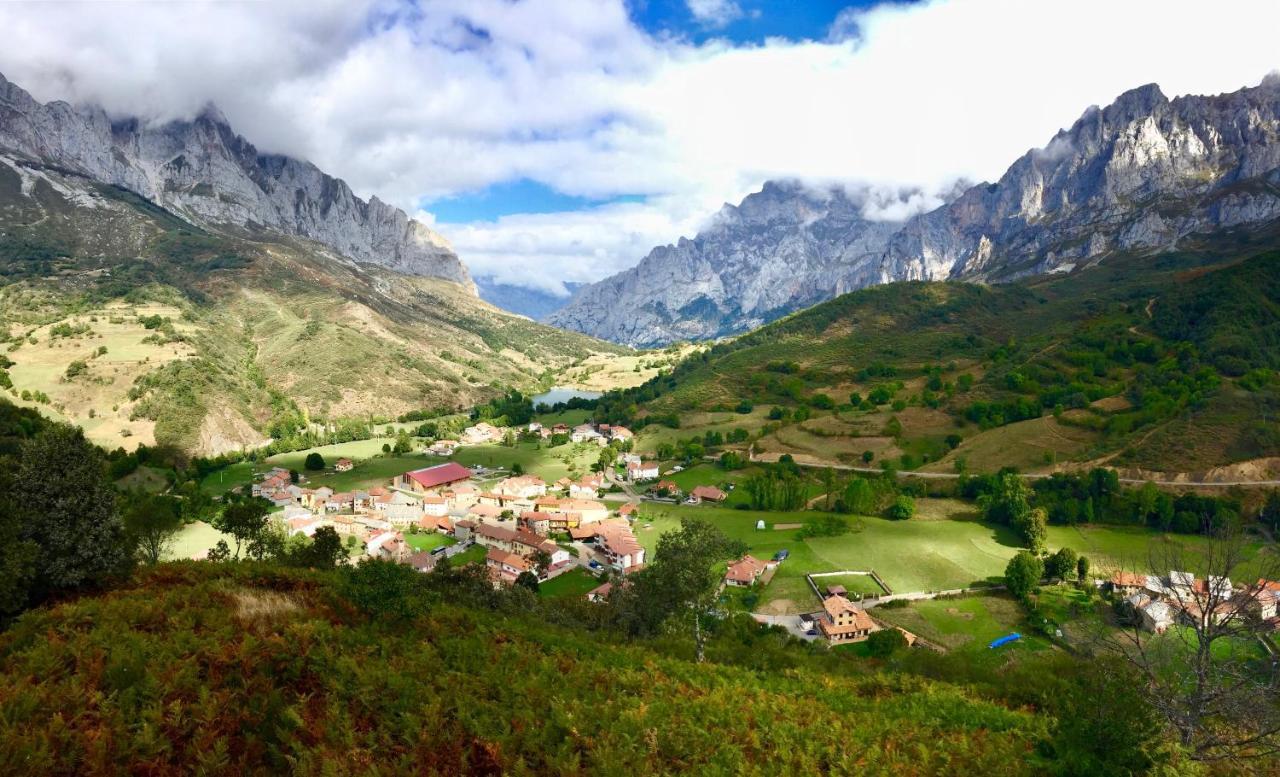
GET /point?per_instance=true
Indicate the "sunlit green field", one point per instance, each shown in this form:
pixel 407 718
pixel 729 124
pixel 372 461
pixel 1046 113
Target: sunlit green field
pixel 915 555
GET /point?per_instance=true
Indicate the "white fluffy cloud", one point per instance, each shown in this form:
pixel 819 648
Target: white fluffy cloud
pixel 714 13
pixel 418 101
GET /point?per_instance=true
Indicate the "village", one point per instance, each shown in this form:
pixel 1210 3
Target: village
pixel 517 524
pixel 524 528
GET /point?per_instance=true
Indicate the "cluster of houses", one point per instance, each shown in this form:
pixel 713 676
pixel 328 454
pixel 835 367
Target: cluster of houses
pixel 1180 597
pixel 513 519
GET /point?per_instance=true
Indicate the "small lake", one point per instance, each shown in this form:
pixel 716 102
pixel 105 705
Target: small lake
pixel 559 394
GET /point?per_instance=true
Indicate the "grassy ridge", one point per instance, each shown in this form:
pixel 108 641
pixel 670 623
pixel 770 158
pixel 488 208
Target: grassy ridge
pixel 250 670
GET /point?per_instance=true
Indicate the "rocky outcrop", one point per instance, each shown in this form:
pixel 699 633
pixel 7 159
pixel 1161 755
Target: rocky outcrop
pixel 783 248
pixel 207 174
pixel 1138 176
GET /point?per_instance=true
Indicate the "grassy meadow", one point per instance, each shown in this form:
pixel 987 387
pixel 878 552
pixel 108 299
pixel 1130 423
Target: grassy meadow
pixel 930 553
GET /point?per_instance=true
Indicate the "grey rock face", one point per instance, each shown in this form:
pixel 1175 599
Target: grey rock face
pixel 1138 176
pixel 206 173
pixel 783 248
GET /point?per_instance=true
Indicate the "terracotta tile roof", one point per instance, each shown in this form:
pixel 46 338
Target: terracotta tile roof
pixel 710 493
pixel 745 569
pixel 1128 579
pixel 838 605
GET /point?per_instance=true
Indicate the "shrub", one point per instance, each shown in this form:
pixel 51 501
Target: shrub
pixel 314 462
pixel 886 642
pixel 902 508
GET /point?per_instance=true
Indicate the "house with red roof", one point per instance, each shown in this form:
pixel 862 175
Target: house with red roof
pixel 433 479
pixel 843 621
pixel 707 494
pixel 745 571
pixel 344 465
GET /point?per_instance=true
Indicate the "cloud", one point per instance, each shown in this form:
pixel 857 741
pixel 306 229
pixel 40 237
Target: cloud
pixel 543 250
pixel 417 101
pixel 714 13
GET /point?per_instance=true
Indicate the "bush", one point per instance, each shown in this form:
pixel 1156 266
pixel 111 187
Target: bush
pixel 886 642
pixel 382 589
pixel 76 368
pixel 314 462
pixel 902 509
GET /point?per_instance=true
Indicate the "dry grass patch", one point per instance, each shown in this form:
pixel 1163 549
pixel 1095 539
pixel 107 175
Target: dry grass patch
pixel 256 606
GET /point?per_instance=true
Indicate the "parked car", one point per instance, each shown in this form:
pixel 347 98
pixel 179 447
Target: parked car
pixel 812 632
pixel 594 564
pixel 781 555
pixel 440 550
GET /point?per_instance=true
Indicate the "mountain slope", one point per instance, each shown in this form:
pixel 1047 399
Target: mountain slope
pixel 1159 363
pixel 149 325
pixel 1144 175
pixel 783 248
pixel 206 174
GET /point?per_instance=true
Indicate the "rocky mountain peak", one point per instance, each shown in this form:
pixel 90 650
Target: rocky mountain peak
pixel 204 172
pixel 1137 176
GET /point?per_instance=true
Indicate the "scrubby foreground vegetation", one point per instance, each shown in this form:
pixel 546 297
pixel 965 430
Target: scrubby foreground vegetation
pixel 247 669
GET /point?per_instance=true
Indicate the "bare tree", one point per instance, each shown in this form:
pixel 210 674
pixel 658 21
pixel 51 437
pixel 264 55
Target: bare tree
pixel 1204 675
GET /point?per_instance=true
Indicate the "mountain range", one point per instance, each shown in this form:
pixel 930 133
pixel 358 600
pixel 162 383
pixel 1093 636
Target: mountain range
pixel 1137 177
pixel 205 173
pixel 532 303
pixel 168 284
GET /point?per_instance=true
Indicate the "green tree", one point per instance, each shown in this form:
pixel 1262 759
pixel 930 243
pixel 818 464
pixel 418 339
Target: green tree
pixel 886 642
pixel 902 508
pixel 67 508
pixel 152 521
pixel 527 580
pixel 681 583
pixel 314 462
pixel 1270 514
pixel 1023 573
pixel 323 551
pixel 1062 565
pixel 245 520
pixel 383 589
pixel 827 476
pixel 867 456
pixel 1008 501
pixel 859 496
pixel 1032 527
pixel 1082 568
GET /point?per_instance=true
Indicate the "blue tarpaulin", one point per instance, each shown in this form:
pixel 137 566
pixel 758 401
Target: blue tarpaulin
pixel 1014 637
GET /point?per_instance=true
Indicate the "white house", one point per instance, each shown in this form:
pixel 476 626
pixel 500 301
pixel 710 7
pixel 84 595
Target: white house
pixel 643 470
pixel 584 432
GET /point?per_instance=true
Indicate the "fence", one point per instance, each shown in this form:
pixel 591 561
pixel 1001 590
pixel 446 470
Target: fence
pixel 871 573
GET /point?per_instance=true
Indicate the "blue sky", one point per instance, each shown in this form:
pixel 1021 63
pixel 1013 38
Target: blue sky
pixel 741 23
pixel 521 195
pixel 752 20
